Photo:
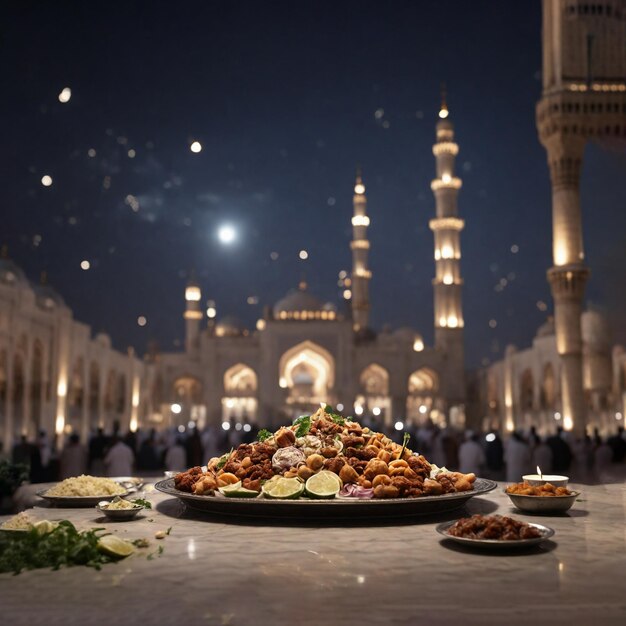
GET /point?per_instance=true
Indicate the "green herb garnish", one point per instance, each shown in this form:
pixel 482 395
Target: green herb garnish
pixel 338 419
pixel 63 546
pixel 304 425
pixel 158 552
pixel 141 502
pixel 224 459
pixel 168 531
pixel 264 434
pixel 405 441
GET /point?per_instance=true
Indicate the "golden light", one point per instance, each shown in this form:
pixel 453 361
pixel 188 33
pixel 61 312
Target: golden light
pixel 446 178
pixel 347 294
pixel 447 252
pixel 303 254
pixel 211 312
pixel 282 383
pixel 260 324
pixel 46 180
pixel 418 344
pixel 192 293
pixel 360 220
pixel 568 422
pixel 65 95
pixel 453 322
pixel 85 265
pixel 447 279
pixel 443 112
pixel 359 189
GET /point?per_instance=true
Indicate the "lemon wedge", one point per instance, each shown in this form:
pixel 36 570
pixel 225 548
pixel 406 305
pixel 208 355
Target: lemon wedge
pixel 324 484
pixel 283 488
pixel 115 546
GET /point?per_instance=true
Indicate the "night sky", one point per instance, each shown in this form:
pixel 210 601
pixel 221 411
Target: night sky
pixel 286 99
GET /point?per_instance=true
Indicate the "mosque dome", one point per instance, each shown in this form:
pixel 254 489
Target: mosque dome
pixel 11 273
pixel 48 297
pixel 299 304
pixel 229 327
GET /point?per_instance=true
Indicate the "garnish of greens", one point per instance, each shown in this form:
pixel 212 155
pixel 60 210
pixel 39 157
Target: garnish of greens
pixel 224 459
pixel 405 441
pixel 141 502
pixel 264 434
pixel 304 425
pixel 63 546
pixel 338 419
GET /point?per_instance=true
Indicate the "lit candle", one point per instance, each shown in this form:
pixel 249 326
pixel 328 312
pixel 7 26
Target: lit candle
pixel 539 479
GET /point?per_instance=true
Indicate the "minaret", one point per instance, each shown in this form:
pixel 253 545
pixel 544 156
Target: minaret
pixel 193 316
pixel 360 248
pixel 584 97
pixel 447 227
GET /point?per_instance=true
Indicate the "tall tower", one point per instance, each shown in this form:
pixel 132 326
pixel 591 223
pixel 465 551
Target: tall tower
pixel 360 245
pixel 447 227
pixel 193 316
pixel 583 98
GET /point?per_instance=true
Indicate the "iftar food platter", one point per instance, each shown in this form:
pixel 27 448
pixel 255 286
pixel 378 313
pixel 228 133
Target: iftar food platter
pixel 326 508
pixel 323 465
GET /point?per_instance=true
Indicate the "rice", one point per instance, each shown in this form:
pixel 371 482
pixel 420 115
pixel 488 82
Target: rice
pixel 86 486
pixel 21 521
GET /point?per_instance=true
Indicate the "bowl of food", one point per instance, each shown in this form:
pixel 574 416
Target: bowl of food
pixel 119 509
pixel 546 498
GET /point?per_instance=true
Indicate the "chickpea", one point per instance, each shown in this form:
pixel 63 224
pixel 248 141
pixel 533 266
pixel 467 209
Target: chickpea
pixel 385 456
pixel 305 472
pixel 315 462
pixel 381 479
pixel 348 474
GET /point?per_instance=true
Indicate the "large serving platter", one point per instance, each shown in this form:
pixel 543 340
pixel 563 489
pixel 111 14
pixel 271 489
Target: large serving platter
pixel 333 509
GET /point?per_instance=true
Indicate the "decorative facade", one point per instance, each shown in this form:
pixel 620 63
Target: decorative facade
pixel 583 99
pixel 55 376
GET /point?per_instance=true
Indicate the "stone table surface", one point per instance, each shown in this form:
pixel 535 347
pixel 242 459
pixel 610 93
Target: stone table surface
pixel 234 572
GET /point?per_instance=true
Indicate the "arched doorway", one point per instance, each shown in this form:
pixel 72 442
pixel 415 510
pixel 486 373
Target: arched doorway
pixel 307 372
pixel 187 405
pixel 423 385
pixel 374 398
pixel 239 403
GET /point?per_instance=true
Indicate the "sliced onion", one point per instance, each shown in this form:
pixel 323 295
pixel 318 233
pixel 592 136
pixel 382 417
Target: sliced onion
pixel 356 491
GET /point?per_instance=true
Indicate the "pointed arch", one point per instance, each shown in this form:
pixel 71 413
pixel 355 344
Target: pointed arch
pixel 309 362
pixel 240 379
pixel 423 380
pixel 374 380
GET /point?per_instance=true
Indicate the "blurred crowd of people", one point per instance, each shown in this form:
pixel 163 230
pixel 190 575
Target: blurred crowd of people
pixel 591 459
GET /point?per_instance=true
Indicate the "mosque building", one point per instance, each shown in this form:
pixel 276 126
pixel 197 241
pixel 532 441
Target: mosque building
pixel 570 376
pixel 305 352
pixel 55 376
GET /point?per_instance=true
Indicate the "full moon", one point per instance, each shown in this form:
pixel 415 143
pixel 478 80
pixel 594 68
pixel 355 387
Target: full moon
pixel 226 234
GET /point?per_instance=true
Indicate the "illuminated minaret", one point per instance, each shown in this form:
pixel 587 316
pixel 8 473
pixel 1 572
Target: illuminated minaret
pixel 360 248
pixel 447 228
pixel 193 316
pixel 584 98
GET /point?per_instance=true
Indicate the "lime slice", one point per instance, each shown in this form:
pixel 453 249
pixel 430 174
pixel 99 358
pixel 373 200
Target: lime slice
pixel 115 546
pixel 323 485
pixel 283 488
pixel 242 492
pixel 226 489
